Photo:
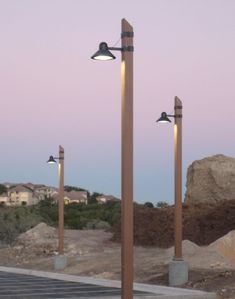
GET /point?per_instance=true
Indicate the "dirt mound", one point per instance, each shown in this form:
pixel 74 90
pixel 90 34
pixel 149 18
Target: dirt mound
pixel 199 257
pixel 202 224
pixel 225 246
pixel 38 233
pixel 189 248
pixel 41 239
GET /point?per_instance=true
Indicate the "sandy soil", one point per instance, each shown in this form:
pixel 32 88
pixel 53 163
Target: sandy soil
pixel 90 253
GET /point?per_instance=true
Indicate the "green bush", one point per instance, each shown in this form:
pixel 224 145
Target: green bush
pixel 16 220
pixel 148 204
pixel 3 189
pixel 162 204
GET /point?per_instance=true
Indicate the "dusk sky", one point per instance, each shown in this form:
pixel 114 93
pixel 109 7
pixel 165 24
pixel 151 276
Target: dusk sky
pixel 52 93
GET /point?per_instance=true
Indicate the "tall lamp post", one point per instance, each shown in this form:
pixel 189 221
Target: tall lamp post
pixel 178 268
pixel 127 151
pixel 61 259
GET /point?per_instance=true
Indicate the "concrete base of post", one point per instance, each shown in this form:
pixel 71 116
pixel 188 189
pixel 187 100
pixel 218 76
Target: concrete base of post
pixel 178 273
pixel 60 262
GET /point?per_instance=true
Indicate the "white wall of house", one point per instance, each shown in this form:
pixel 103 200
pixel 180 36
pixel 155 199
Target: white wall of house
pixel 4 200
pixel 18 198
pixel 101 199
pixel 44 192
pixel 68 200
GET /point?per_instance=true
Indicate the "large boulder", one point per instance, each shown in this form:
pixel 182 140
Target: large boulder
pixel 211 180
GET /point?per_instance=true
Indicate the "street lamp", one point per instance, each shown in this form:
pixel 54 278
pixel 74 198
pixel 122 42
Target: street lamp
pixel 103 53
pixel 127 151
pixel 178 268
pixel 60 260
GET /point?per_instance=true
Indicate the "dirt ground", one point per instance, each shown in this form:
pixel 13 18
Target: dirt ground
pixel 91 253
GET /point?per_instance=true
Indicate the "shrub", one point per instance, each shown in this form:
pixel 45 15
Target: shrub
pixel 162 204
pixel 148 204
pixel 16 220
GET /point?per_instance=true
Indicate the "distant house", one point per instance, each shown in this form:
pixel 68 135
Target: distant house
pixel 29 185
pixel 75 197
pixel 43 192
pixel 4 199
pixel 30 194
pixel 21 194
pixel 106 198
pixel 72 197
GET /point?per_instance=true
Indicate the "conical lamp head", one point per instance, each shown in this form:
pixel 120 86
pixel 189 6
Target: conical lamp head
pixel 51 160
pixel 103 53
pixel 164 118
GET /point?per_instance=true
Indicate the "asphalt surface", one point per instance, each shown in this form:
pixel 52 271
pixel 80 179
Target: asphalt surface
pixel 18 283
pixel 31 287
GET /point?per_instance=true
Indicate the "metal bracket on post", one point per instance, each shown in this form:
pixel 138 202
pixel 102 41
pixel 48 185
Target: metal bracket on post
pixel 128 49
pixel 178 116
pixel 127 34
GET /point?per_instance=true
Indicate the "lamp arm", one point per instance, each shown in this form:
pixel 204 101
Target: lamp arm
pixel 175 115
pixel 123 49
pixel 126 48
pixel 58 158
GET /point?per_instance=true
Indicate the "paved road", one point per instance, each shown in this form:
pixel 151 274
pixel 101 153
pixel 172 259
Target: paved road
pixel 31 287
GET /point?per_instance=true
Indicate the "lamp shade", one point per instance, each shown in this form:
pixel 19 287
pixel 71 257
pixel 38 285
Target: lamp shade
pixel 51 160
pixel 103 53
pixel 164 118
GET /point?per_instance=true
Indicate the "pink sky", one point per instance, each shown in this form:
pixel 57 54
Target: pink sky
pixel 52 92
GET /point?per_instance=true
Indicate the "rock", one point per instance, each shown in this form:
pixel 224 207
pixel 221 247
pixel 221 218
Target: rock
pixel 211 180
